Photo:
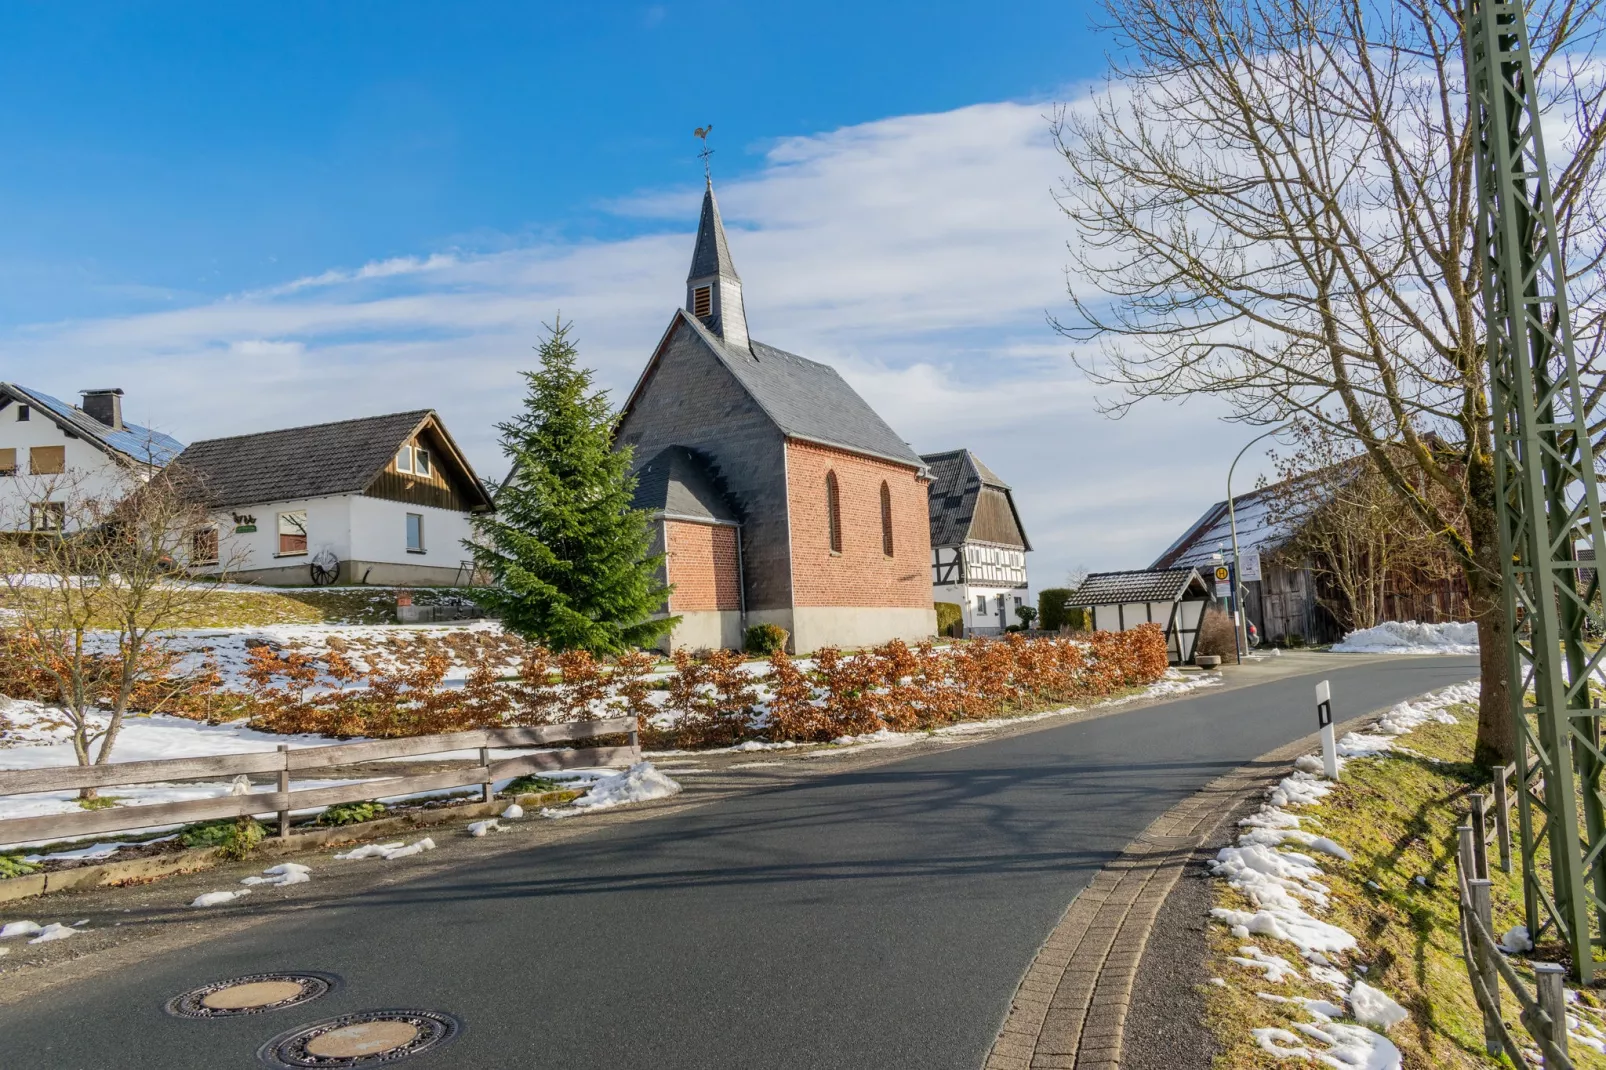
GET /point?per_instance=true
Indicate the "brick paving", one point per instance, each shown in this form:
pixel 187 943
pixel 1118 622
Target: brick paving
pixel 1069 1012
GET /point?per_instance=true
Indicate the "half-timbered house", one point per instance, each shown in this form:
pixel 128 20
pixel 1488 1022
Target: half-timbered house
pixel 978 544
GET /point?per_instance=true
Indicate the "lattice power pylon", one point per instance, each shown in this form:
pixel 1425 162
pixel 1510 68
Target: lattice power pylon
pixel 1545 484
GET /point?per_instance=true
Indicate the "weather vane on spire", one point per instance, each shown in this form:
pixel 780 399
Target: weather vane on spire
pixel 703 132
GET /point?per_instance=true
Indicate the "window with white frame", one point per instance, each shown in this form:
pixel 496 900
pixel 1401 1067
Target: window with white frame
pixel 981 603
pixel 404 459
pixel 421 461
pixel 292 533
pixel 415 533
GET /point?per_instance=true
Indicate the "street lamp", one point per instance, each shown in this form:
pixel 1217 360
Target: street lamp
pixel 1240 636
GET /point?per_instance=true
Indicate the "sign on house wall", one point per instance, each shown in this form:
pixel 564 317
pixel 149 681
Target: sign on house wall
pixel 1249 567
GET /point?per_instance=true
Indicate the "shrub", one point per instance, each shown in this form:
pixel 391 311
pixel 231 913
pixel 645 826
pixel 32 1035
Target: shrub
pixel 1026 614
pixel 14 866
pixel 1294 639
pixel 1217 635
pixel 351 813
pixel 950 618
pixel 1051 608
pixel 234 840
pixel 530 784
pixel 764 639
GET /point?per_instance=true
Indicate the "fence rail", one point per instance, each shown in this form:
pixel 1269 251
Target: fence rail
pixel 1487 967
pixel 284 761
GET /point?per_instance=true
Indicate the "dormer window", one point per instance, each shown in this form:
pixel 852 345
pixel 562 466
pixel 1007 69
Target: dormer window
pixel 702 302
pixel 404 459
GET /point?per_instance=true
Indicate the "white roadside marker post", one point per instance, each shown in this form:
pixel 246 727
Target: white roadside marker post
pixel 1324 721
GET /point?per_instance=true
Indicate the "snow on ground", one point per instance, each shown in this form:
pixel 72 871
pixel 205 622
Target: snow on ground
pixel 1285 891
pixel 389 851
pixel 1394 637
pixel 640 783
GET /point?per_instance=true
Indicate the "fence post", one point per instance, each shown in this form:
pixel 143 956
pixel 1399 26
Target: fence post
pixel 1553 1001
pixel 635 738
pixel 1478 889
pixel 1463 850
pixel 1480 842
pixel 284 788
pixel 486 794
pixel 1502 816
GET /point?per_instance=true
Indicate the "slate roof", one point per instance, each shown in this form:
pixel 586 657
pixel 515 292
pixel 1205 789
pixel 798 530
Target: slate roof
pixel 1146 585
pixel 133 441
pixel 807 399
pixel 957 479
pixel 711 256
pixel 678 482
pixel 299 462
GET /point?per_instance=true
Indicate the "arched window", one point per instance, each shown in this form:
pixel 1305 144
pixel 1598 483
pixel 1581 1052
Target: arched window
pixel 886 518
pixel 833 511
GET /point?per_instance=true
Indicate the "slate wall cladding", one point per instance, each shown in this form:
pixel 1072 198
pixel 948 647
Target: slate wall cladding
pixel 861 575
pixel 691 399
pixel 702 566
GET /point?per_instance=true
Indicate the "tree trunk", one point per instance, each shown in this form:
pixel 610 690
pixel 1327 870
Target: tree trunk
pixel 1497 734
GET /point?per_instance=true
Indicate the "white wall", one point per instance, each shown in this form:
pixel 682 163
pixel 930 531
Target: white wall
pixel 379 533
pixel 354 528
pixel 90 473
pixel 965 594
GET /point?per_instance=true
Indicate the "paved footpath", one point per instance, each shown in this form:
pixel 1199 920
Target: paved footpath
pixel 880 917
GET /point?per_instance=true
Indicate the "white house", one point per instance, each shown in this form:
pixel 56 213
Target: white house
pixel 52 453
pixel 978 546
pixel 382 500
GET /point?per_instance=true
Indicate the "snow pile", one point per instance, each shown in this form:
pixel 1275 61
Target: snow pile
pixel 514 812
pixel 481 828
pixel 42 934
pixel 281 875
pixel 212 899
pixel 1284 888
pixel 1374 1008
pixel 640 783
pixel 1393 637
pixel 389 851
pixel 1516 940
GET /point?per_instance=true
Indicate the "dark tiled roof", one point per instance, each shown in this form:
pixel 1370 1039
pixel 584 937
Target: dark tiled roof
pixel 140 443
pixel 678 482
pixel 957 481
pixel 807 399
pixel 1148 585
pixel 711 256
pixel 298 462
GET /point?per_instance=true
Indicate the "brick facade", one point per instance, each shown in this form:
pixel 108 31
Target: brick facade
pixel 862 574
pixel 703 567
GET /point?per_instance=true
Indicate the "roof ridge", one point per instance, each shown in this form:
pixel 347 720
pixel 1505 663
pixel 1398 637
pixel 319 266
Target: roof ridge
pixel 312 427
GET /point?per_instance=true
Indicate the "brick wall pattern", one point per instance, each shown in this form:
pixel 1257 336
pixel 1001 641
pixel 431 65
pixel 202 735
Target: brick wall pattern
pixel 861 575
pixel 703 567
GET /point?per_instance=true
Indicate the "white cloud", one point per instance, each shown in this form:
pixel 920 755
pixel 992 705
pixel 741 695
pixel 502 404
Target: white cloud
pixel 921 255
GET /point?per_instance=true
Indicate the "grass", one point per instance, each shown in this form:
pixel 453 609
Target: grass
pixel 99 802
pixel 1397 816
pixel 285 605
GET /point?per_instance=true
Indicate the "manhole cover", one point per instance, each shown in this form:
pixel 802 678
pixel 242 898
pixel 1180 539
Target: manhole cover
pixel 367 1038
pixel 254 994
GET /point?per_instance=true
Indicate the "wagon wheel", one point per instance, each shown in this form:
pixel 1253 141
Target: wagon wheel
pixel 323 577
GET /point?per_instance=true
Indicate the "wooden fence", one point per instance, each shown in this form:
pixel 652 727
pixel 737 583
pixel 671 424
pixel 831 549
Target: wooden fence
pixel 1543 1013
pixel 285 761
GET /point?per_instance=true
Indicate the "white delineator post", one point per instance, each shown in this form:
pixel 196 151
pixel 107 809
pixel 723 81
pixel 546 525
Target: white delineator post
pixel 1324 721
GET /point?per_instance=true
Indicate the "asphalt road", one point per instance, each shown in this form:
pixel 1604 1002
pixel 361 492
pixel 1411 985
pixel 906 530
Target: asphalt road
pixel 877 918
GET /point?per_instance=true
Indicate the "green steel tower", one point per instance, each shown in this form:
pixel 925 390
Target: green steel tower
pixel 1545 484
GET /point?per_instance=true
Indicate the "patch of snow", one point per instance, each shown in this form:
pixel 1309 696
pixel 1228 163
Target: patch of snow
pixel 1345 1047
pixel 513 813
pixel 640 783
pixel 212 899
pixel 1515 940
pixel 1375 1008
pixel 281 875
pixel 1409 637
pixel 54 931
pixel 389 851
pixel 18 928
pixel 481 828
pixel 1275 968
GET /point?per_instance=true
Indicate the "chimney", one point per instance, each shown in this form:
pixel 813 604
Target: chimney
pixel 105 406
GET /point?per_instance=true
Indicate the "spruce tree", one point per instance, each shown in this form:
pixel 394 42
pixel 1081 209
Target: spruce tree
pixel 567 554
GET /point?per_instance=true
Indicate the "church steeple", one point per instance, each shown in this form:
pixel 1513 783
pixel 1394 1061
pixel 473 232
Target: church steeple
pixel 713 289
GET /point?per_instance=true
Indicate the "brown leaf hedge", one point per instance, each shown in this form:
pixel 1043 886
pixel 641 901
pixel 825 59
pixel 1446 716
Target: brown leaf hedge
pixel 710 699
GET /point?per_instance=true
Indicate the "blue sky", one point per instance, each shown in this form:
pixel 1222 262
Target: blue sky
pixel 264 216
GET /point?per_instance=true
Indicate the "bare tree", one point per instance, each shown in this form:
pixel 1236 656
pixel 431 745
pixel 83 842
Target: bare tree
pixel 1360 539
pixel 1276 199
pixel 92 576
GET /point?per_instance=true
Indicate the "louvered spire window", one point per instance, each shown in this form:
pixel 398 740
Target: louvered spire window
pixel 702 302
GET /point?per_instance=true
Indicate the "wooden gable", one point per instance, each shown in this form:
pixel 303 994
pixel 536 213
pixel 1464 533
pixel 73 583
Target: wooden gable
pixel 449 482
